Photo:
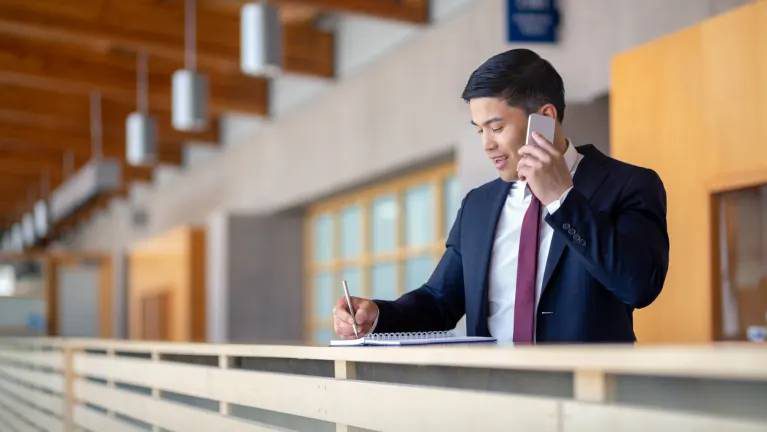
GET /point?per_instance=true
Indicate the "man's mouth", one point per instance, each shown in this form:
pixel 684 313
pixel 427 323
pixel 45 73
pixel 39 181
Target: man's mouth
pixel 499 161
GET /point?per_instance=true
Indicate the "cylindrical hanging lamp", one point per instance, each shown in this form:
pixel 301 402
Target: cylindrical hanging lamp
pixel 28 229
pixel 190 101
pixel 190 89
pixel 140 127
pixel 40 209
pixel 140 144
pixel 17 239
pixel 260 39
pixel 41 218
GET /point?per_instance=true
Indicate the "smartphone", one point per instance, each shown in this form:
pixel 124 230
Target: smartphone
pixel 543 125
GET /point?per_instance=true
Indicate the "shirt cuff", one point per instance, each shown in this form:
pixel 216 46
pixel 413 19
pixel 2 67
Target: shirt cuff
pixel 554 205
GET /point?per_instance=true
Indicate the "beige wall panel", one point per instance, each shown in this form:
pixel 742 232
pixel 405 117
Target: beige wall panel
pixel 692 106
pixel 172 263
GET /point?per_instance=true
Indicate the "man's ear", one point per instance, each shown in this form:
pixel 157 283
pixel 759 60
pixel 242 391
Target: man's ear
pixel 549 110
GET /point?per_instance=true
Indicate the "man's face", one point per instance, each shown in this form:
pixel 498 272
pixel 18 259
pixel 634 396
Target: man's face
pixel 502 129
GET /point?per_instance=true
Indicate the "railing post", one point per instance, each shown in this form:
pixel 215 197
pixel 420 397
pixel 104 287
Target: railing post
pixel 155 391
pixel 593 386
pixel 224 362
pixel 344 370
pixel 69 381
pixel 110 382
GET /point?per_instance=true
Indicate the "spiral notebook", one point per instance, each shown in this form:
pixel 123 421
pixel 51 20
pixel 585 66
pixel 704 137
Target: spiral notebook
pixel 410 338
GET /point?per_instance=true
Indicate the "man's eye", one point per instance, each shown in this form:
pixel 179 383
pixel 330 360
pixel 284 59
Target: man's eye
pixel 497 130
pixel 479 131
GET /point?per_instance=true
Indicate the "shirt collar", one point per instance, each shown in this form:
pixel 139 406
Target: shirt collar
pixel 571 158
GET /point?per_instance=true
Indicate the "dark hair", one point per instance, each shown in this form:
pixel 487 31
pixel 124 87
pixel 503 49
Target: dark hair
pixel 522 78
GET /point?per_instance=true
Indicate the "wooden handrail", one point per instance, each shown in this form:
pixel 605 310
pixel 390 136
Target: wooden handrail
pixel 66 384
pixel 719 360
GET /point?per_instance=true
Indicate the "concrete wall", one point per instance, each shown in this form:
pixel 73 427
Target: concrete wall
pixel 255 282
pixel 266 278
pixel 78 294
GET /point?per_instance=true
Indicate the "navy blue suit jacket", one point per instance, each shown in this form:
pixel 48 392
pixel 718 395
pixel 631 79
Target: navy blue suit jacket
pixel 608 256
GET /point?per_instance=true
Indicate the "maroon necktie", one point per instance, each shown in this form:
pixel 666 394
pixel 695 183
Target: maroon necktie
pixel 527 270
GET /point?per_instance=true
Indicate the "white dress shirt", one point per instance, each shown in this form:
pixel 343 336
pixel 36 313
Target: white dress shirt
pixel 502 284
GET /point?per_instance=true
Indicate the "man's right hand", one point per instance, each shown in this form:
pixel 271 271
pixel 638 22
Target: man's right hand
pixel 366 312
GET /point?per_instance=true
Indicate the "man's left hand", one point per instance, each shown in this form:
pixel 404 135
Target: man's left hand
pixel 545 170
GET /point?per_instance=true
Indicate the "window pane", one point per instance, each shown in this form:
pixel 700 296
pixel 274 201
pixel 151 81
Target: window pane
pixel 353 276
pixel 419 215
pixel 742 234
pixel 385 281
pixel 417 271
pixel 452 200
pixel 324 297
pixel 323 238
pixel 351 232
pixel 384 224
pixel 322 336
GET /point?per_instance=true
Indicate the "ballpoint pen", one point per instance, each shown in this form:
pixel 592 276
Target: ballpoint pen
pixel 349 304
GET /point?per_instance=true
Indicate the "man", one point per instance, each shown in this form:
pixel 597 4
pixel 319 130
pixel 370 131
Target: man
pixel 561 248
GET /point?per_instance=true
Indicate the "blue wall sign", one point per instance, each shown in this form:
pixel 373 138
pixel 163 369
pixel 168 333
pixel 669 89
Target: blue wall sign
pixel 532 20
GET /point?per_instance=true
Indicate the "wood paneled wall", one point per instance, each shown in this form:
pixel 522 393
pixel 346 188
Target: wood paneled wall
pixel 693 106
pixel 170 266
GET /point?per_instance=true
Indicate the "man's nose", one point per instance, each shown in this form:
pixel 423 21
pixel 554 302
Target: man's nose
pixel 488 142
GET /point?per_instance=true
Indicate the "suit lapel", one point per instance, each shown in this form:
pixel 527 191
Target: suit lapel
pixel 587 178
pixel 496 200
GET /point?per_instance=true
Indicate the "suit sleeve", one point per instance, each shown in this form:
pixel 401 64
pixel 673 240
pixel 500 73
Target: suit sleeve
pixel 438 304
pixel 626 250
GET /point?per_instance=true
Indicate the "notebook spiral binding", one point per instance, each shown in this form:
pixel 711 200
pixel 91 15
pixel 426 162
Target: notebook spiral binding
pixel 411 335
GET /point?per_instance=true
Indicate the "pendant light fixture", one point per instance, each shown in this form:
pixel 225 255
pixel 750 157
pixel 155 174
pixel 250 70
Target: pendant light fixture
pixel 40 210
pixel 17 240
pixel 260 39
pixel 41 218
pixel 28 223
pixel 28 229
pixel 190 89
pixel 140 127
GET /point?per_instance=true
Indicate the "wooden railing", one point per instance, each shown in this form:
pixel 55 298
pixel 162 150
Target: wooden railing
pixel 105 385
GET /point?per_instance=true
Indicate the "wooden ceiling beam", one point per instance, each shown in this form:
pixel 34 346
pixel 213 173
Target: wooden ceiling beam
pixel 412 11
pixel 35 129
pixel 307 49
pixel 31 167
pixel 19 169
pixel 27 106
pixel 30 139
pixel 113 128
pixel 10 210
pixel 21 181
pixel 72 69
pixel 155 26
pixel 158 28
